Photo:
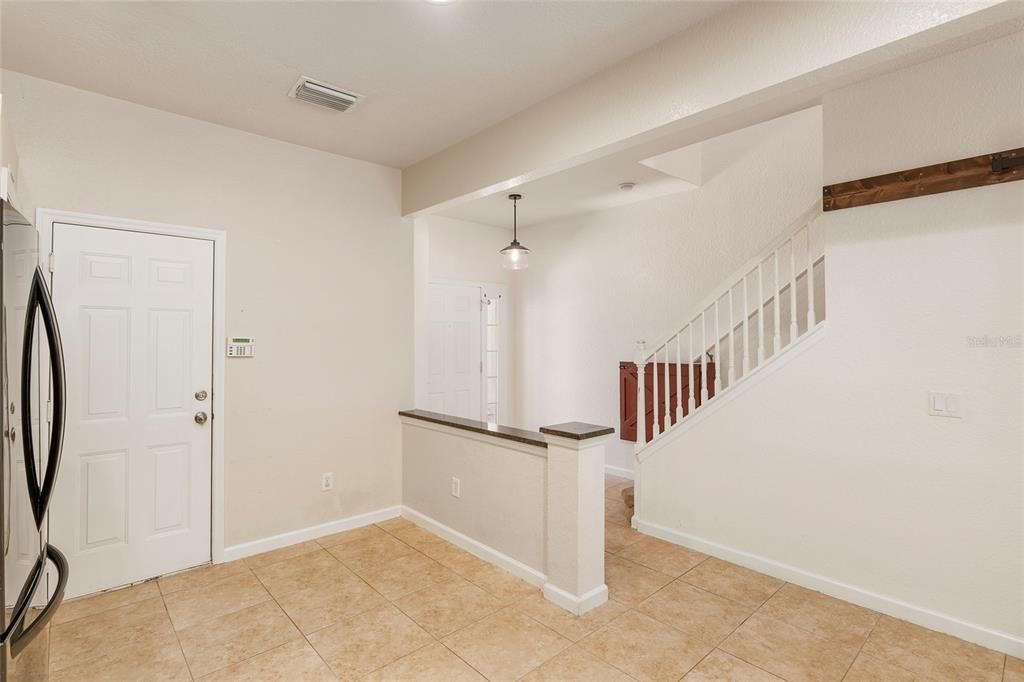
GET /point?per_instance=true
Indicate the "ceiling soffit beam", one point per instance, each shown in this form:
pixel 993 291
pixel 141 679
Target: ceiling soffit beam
pixel 739 67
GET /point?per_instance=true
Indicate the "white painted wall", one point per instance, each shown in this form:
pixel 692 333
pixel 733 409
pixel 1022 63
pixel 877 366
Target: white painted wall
pixel 319 270
pixel 830 472
pixel 467 251
pixel 598 282
pixel 503 492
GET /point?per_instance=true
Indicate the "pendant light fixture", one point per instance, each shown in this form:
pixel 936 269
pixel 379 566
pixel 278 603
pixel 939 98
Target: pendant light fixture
pixel 516 256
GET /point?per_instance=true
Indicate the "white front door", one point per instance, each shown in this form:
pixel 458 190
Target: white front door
pixel 454 371
pixel 133 495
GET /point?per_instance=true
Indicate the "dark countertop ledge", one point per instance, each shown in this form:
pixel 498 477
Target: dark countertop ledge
pixel 577 430
pixel 571 430
pixel 507 432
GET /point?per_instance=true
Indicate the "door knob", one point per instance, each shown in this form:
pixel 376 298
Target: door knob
pixel 200 418
pixel 201 395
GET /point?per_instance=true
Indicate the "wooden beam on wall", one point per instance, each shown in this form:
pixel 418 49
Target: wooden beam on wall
pixel 988 169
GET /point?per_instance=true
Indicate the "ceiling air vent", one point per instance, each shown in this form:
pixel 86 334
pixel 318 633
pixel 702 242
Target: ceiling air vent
pixel 323 94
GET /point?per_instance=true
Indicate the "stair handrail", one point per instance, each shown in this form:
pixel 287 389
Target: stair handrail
pixel 647 353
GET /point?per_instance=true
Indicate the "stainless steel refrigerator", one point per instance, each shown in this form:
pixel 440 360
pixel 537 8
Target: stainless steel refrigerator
pixel 34 572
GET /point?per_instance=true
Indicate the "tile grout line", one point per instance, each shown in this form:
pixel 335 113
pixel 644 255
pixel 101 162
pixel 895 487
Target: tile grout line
pixel 305 636
pixel 748 617
pixel 861 647
pixel 694 666
pixel 393 603
pixel 388 601
pixel 509 606
pixel 176 637
pixel 597 656
pixel 438 640
pixel 247 568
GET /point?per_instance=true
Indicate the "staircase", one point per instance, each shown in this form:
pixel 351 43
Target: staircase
pixel 760 314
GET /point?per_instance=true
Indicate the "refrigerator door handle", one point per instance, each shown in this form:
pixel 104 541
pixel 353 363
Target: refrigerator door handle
pixel 17 634
pixel 40 492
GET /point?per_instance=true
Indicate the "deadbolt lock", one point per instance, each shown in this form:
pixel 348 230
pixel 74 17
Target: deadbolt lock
pixel 201 394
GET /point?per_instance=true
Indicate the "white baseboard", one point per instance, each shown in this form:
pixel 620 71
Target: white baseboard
pixel 485 552
pixel 573 604
pixel 621 472
pixel 310 533
pixel 1000 641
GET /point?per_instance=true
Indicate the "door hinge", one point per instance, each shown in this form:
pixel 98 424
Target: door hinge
pixel 53 262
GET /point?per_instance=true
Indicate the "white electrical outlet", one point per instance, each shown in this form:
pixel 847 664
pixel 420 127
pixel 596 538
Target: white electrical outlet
pixel 456 487
pixel 327 481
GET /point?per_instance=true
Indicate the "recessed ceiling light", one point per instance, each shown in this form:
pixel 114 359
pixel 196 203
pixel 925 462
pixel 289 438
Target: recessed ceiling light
pixel 439 2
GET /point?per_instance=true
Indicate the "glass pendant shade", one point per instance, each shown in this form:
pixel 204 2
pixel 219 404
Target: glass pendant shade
pixel 515 256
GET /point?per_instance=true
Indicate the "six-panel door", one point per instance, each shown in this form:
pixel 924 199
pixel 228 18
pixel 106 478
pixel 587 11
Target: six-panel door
pixel 133 494
pixel 454 370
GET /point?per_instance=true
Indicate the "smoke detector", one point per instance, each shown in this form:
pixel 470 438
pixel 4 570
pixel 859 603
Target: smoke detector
pixel 318 92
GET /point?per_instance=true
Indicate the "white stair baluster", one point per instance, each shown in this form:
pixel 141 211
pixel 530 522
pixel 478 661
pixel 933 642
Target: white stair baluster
pixel 810 281
pixel 679 377
pixel 703 354
pixel 718 348
pixel 668 391
pixel 668 411
pixel 760 313
pixel 693 386
pixel 794 328
pixel 655 396
pixel 777 305
pixel 746 327
pixel 732 342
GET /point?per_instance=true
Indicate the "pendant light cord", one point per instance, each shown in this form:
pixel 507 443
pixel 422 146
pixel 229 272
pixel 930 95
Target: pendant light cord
pixel 515 219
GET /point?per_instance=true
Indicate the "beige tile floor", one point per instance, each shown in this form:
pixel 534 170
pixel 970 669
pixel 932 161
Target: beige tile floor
pixel 394 602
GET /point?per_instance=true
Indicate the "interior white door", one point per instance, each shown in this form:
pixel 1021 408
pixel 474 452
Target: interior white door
pixel 133 495
pixel 454 371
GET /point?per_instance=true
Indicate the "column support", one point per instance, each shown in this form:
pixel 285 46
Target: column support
pixel 575 515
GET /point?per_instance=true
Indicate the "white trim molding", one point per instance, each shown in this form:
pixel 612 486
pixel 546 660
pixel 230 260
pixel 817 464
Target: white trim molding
pixel 571 603
pixel 294 537
pixel 621 472
pixel 1000 641
pixel 45 218
pixel 477 548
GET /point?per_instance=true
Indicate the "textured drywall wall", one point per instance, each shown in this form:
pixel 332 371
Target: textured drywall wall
pixel 832 466
pixel 319 268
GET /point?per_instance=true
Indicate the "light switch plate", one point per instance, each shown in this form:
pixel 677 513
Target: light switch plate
pixel 944 405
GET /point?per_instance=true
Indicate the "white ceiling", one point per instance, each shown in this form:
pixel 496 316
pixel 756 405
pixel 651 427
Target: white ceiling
pixel 432 74
pixel 594 186
pixel 582 189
